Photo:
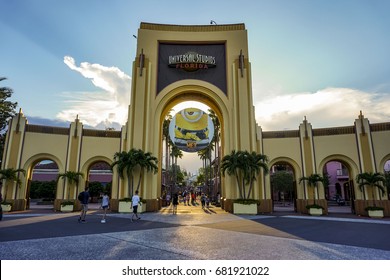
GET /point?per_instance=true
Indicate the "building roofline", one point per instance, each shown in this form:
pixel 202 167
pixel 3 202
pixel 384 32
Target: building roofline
pixel 192 28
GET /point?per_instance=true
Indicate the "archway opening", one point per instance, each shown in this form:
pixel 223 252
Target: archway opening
pixel 42 185
pixel 190 169
pixel 338 186
pixel 99 182
pixel 283 187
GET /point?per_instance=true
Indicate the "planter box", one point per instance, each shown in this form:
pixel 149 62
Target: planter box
pixel 6 207
pixel 67 208
pixel 315 211
pixel 125 207
pixel 245 208
pixel 375 213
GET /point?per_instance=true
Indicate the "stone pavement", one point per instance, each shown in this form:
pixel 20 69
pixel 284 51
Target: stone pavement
pixel 192 234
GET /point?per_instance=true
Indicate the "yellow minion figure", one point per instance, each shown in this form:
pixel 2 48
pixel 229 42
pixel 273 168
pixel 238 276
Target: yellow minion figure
pixel 191 129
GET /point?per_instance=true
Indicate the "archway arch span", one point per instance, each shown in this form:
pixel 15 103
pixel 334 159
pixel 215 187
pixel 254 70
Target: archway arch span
pixel 382 163
pixel 292 193
pixel 90 162
pixel 97 178
pixel 288 161
pixel 29 167
pixel 341 188
pixel 32 161
pixel 348 162
pixel 190 90
pixel 193 90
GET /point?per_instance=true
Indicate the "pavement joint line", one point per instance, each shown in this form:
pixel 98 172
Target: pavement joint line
pixel 110 235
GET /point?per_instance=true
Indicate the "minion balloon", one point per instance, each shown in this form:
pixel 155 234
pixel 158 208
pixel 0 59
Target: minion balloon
pixel 191 130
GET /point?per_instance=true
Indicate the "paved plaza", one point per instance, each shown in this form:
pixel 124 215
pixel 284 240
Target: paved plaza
pixel 192 234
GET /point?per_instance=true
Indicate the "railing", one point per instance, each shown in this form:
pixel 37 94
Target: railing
pixel 47 129
pixel 65 131
pixel 102 133
pixel 281 134
pixel 380 126
pixel 334 131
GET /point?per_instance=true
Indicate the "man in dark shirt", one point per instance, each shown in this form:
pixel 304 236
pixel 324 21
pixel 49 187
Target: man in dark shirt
pixel 84 205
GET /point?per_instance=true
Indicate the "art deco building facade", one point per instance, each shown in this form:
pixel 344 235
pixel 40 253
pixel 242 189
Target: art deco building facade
pixel 208 64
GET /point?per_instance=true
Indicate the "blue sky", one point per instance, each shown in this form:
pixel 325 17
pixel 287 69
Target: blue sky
pixel 325 60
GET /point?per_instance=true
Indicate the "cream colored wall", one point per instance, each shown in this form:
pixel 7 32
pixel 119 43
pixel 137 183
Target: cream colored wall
pixel 287 150
pixel 40 146
pixel 102 147
pixel 95 149
pixel 344 145
pixel 381 143
pixel 282 147
pixel 39 143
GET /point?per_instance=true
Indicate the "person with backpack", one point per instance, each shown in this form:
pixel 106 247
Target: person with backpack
pixel 203 200
pixel 175 202
pixel 84 200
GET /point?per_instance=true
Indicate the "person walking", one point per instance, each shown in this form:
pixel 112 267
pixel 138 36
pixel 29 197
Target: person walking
pixel 168 199
pixel 84 205
pixel 175 202
pixel 203 200
pixel 105 206
pixel 135 201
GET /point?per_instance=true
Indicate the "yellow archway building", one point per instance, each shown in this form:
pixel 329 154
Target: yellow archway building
pixel 209 64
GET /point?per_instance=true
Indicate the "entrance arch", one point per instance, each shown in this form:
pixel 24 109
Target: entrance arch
pixel 198 91
pixel 341 191
pixel 29 167
pixel 293 168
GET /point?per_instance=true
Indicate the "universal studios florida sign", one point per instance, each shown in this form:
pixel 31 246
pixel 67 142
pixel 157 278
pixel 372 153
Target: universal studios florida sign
pixel 191 61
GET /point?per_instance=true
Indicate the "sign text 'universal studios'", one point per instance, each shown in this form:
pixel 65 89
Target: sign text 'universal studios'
pixel 191 61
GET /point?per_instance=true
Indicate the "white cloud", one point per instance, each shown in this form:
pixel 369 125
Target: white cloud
pixel 276 111
pixel 325 108
pixel 106 107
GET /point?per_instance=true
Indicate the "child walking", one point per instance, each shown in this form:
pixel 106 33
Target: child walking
pixel 105 206
pixel 135 201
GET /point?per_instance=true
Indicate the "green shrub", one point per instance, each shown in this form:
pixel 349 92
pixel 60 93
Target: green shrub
pixel 314 206
pixel 373 208
pixel 65 203
pixel 247 201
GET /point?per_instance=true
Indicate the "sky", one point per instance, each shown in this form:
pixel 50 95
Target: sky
pixel 323 59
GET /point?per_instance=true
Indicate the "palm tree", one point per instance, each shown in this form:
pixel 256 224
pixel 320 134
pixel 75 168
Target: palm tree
pixel 245 167
pixel 205 155
pixel 127 162
pixel 372 180
pixel 7 111
pixel 167 141
pixel 11 174
pixel 72 177
pixel 313 181
pixel 175 153
pixel 257 162
pixel 148 163
pixel 216 138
